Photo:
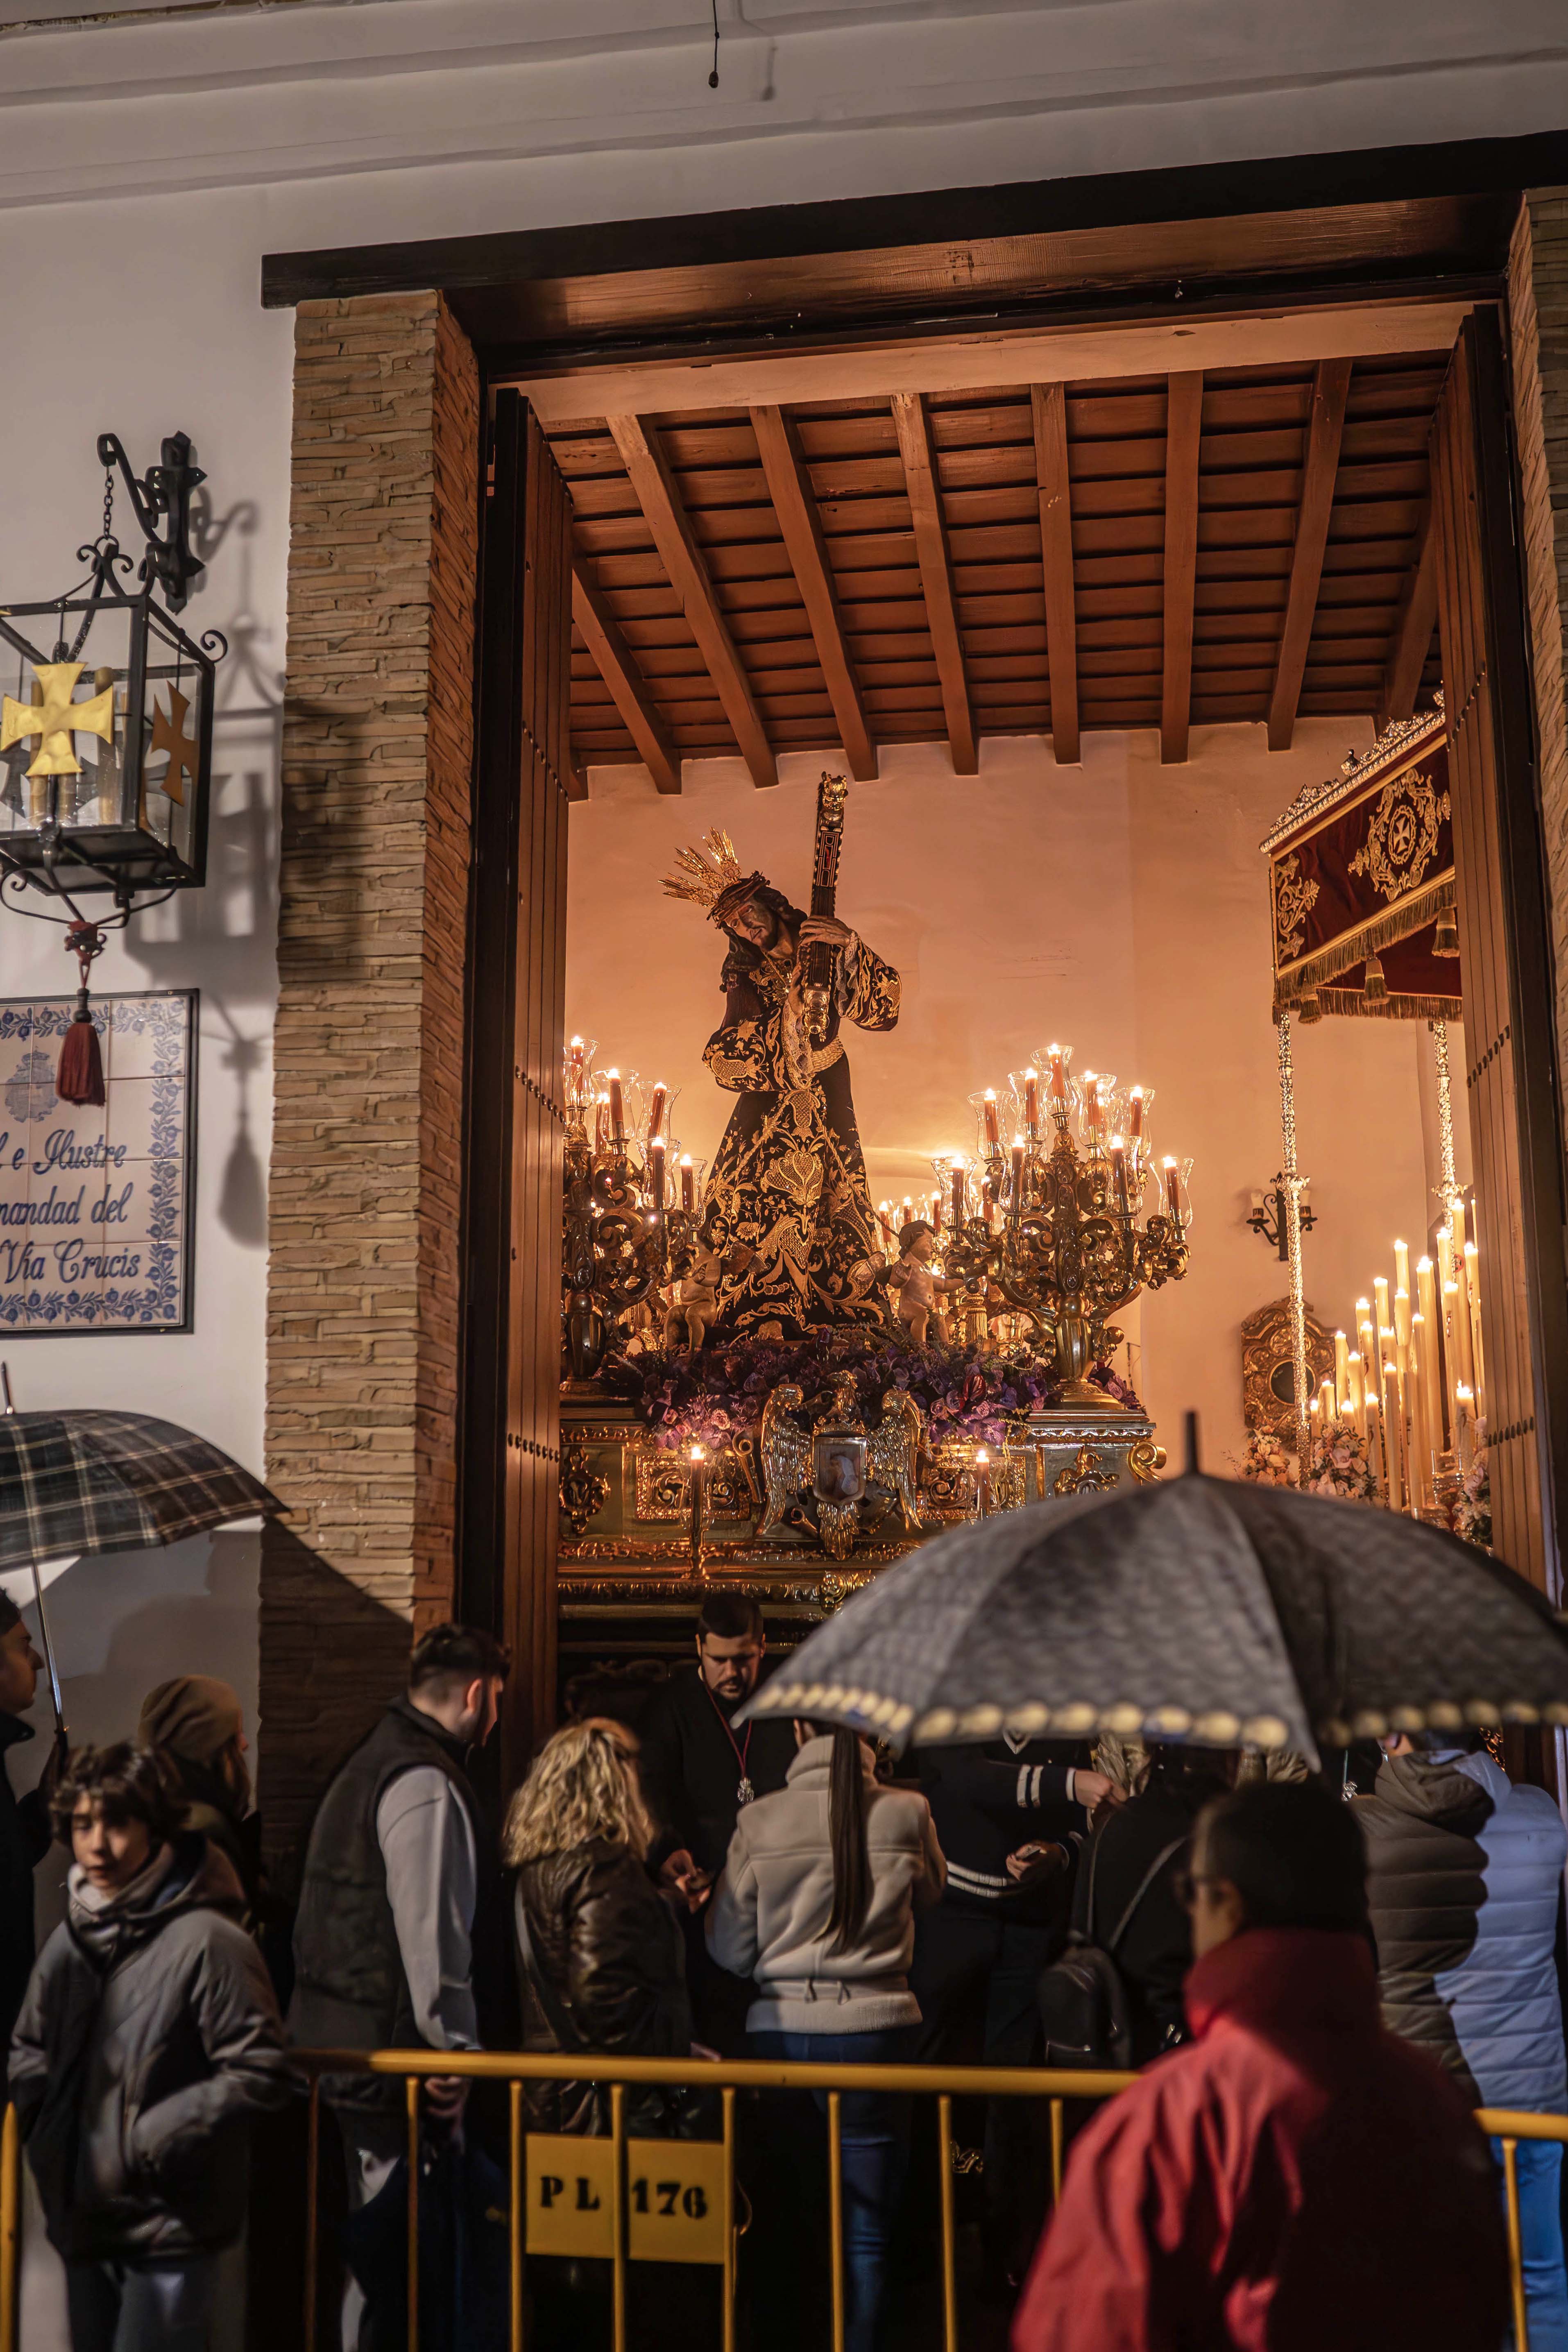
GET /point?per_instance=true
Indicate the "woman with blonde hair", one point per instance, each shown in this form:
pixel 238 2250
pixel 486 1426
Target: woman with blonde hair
pixel 601 1958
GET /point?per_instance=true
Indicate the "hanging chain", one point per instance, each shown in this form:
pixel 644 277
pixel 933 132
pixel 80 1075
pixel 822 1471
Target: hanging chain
pixel 108 501
pixel 1291 1186
pixel 1450 1186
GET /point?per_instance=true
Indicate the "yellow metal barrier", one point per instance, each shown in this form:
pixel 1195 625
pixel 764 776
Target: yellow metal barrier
pixel 516 2069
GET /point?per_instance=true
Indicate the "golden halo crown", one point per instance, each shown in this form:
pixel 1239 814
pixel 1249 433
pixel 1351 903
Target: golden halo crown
pixel 710 873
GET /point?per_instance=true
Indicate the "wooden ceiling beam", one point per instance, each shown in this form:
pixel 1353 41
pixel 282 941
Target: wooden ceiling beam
pixel 1412 639
pixel 1049 407
pixel 1330 389
pixel 795 503
pixel 913 426
pixel 617 665
pixel 1183 426
pixel 653 485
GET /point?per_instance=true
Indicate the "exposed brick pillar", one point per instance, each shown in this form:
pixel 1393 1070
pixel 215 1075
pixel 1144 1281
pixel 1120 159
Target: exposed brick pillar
pixel 1538 311
pixel 363 1329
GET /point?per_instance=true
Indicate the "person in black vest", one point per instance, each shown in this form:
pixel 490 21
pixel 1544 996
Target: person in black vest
pixel 384 1938
pixel 698 1771
pixel 1010 1816
pixel 24 1831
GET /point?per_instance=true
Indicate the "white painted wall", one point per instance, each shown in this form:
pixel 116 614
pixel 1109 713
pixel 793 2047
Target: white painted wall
pixel 1119 906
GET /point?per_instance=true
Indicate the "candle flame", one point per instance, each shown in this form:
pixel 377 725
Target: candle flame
pixel 1138 1093
pixel 1167 1162
pixel 612 1073
pixel 981 1459
pixel 699 1453
pixel 1115 1143
pixel 1053 1051
pixel 1423 1265
pixel 577 1043
pixel 1031 1072
pixel 685 1159
pixel 1018 1143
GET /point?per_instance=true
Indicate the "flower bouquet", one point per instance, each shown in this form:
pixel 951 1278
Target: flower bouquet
pixel 1342 1463
pixel 1265 1461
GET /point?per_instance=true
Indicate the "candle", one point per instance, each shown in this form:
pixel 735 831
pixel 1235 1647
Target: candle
pixel 1402 1316
pixel 1457 1226
pixel 656 1111
pixel 1431 1353
pixel 656 1154
pixel 981 1482
pixel 1445 1258
pixel 1136 1099
pixel 575 1052
pixel 1355 1393
pixel 1172 1188
pixel 1401 1266
pixel 601 1114
pixel 1471 1262
pixel 1119 1173
pixel 936 1213
pixel 1394 1434
pixel 688 1183
pixel 1341 1372
pixel 1452 1366
pixel 617 1121
pixel 1464 1349
pixel 1464 1427
pixel 1017 1177
pixel 1091 1101
pixel 1032 1102
pixel 1420 1417
pixel 1380 1292
pixel 1059 1076
pixel 1374 1444
pixel 993 1132
pixel 956 1173
pixel 698 1457
pixel 1326 1403
pixel 907 1216
pixel 1367 1341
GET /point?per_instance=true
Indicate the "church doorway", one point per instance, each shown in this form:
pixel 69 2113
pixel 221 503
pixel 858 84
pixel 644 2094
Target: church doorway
pixel 1080 607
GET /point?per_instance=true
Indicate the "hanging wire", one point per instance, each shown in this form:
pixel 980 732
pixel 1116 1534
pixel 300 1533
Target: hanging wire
pixel 713 76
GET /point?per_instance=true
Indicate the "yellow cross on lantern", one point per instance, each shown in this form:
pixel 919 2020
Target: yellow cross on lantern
pixel 56 720
pixel 169 735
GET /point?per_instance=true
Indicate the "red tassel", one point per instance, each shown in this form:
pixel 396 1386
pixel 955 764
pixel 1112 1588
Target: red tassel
pixel 80 1078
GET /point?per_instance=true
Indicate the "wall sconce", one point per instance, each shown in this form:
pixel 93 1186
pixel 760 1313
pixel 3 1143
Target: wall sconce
pixel 1268 1217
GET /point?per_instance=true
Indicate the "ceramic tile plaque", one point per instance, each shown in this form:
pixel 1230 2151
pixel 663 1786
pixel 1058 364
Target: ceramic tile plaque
pixel 96 1202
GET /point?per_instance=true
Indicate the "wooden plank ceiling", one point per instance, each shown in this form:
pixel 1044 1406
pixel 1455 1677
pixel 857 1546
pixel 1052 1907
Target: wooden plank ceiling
pixel 1144 552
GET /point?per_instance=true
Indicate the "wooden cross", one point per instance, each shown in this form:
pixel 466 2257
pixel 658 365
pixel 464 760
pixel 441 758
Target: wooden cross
pixel 56 720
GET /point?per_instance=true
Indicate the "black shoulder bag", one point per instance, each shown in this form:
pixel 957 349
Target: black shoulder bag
pixel 1082 1997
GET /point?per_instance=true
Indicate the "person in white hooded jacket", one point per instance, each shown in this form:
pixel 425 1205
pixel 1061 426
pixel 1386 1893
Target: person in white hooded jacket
pixel 816 1902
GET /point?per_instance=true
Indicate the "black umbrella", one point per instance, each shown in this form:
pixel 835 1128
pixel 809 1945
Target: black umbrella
pixel 92 1481
pixel 1202 1608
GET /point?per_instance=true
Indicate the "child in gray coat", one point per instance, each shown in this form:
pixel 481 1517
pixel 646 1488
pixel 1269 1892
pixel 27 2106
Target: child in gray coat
pixel 148 2038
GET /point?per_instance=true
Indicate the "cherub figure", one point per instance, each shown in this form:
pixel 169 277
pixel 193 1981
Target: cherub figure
pixel 694 1300
pixel 920 1290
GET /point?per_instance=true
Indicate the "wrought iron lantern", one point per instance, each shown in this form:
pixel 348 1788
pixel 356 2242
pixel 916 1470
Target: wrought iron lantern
pixel 106 723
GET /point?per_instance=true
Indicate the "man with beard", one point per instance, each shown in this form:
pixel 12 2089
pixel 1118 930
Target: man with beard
pixel 697 1771
pixel 787 1203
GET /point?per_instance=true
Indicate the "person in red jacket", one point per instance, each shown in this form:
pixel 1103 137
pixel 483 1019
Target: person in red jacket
pixel 1296 2178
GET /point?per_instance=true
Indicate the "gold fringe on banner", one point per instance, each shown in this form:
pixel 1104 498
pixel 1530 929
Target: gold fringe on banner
pixel 1401 922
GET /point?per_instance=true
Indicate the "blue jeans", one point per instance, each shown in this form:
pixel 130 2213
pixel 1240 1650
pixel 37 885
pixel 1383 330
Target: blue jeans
pixel 875 2141
pixel 1541 2235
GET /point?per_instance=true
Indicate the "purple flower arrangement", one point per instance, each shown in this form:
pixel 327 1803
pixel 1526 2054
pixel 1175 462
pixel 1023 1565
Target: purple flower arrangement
pixel 717 1396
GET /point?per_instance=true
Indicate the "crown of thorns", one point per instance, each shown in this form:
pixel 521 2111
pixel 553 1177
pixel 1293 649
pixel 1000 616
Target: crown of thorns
pixel 711 877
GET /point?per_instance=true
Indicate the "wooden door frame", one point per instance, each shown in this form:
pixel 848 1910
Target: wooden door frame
pixel 481 1470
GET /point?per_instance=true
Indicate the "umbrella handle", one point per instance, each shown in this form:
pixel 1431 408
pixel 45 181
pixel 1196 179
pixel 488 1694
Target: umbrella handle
pixel 49 1655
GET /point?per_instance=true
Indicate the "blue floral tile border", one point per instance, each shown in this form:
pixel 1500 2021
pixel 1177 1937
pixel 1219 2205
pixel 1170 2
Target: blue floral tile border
pixel 96 1205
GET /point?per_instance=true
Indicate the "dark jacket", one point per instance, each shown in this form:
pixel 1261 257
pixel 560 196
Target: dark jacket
pixel 1464 1876
pixel 688 1768
pixel 349 1990
pixel 986 1802
pixel 142 2049
pixel 24 1841
pixel 613 1955
pixel 1156 1952
pixel 1296 2179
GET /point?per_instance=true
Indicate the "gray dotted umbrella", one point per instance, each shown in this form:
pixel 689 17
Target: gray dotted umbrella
pixel 95 1482
pixel 1202 1608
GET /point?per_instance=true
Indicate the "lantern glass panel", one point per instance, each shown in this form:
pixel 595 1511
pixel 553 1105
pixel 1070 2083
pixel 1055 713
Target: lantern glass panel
pixel 119 756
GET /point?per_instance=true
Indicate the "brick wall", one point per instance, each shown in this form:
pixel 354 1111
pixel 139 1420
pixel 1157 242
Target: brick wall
pixel 1538 311
pixel 363 1338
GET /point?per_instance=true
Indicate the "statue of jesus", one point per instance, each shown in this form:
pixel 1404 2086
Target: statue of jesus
pixel 787 1199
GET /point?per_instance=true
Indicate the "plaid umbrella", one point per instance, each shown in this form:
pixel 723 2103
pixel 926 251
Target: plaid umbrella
pixel 1201 1608
pixel 90 1482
